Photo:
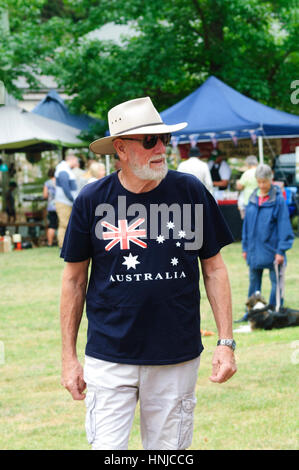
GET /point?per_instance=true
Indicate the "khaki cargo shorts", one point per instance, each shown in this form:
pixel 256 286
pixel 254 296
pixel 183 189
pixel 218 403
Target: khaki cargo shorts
pixel 166 396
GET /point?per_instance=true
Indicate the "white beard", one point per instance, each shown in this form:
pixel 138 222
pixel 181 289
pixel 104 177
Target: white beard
pixel 144 172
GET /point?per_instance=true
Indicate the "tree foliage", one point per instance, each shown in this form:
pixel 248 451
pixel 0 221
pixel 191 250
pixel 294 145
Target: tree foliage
pixel 32 32
pixel 19 45
pixel 252 45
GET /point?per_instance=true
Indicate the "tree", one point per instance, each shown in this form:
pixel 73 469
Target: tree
pixel 252 45
pixel 18 46
pixel 30 33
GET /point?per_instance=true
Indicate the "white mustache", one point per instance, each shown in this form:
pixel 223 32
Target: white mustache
pixel 155 159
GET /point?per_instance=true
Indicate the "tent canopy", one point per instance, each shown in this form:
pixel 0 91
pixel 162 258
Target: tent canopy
pixel 53 107
pixel 21 129
pixel 219 110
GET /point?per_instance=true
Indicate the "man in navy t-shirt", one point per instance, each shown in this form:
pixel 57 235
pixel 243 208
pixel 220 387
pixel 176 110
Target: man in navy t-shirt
pixel 143 228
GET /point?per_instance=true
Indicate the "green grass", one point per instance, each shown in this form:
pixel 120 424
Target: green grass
pixel 256 409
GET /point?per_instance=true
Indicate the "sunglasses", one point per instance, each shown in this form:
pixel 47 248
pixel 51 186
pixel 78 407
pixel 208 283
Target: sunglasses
pixel 150 141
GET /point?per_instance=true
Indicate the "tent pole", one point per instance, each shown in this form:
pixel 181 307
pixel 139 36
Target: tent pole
pixel 107 164
pixel 261 150
pixel 4 182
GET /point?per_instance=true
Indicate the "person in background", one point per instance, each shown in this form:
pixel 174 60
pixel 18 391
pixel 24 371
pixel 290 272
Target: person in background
pixel 49 194
pixel 97 171
pixel 66 192
pixel 247 183
pixel 10 202
pixel 219 169
pixel 12 170
pixel 79 172
pixel 195 166
pixel 267 235
pixel 87 174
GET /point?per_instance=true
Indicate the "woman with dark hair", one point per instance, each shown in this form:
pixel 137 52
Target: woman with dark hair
pixel 49 194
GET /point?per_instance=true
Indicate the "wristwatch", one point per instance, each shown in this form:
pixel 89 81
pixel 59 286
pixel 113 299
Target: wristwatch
pixel 227 342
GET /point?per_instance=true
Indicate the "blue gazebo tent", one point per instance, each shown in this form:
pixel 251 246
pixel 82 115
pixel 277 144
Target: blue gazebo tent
pixel 54 107
pixel 215 110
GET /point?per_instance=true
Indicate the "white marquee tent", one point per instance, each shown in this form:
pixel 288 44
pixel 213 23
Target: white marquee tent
pixel 20 129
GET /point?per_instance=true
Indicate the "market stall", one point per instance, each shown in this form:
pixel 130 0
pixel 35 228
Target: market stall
pixel 218 117
pixel 29 133
pixel 216 112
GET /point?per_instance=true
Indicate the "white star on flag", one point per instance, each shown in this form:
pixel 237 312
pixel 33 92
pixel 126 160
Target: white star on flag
pixel 182 233
pixel 174 261
pixel 178 243
pixel 160 239
pixel 170 225
pixel 131 261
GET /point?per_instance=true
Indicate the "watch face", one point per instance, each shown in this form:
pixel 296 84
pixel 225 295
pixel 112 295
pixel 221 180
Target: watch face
pixel 227 342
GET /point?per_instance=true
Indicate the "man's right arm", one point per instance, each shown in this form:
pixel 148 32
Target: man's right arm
pixel 74 283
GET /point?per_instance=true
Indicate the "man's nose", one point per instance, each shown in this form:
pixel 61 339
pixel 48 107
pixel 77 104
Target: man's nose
pixel 160 147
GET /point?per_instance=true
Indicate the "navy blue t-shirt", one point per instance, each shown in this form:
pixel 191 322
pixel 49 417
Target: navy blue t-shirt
pixel 143 299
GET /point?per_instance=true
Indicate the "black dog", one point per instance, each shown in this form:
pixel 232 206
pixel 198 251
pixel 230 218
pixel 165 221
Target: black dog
pixel 262 315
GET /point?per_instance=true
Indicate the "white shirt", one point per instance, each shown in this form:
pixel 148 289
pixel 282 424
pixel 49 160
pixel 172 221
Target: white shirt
pixel 223 169
pixel 194 166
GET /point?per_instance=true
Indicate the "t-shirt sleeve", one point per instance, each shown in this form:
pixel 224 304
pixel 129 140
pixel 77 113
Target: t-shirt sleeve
pixel 77 241
pixel 216 233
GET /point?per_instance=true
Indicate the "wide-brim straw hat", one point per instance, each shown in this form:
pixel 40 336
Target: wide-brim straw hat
pixel 132 117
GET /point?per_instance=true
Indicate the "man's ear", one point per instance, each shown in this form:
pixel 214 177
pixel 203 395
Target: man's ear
pixel 120 149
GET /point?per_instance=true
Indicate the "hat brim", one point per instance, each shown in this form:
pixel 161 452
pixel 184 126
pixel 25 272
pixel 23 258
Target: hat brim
pixel 104 146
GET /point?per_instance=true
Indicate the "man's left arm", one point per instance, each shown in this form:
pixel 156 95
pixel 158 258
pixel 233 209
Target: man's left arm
pixel 217 286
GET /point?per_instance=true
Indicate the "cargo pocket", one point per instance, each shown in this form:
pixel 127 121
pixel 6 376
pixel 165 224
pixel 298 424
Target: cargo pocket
pixel 188 403
pixel 90 420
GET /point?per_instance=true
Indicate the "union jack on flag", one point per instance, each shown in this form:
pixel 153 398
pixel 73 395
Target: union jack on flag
pixel 124 234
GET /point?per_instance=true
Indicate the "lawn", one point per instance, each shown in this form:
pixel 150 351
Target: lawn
pixel 256 409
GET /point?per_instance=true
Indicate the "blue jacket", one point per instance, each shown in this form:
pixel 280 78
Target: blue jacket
pixel 266 230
